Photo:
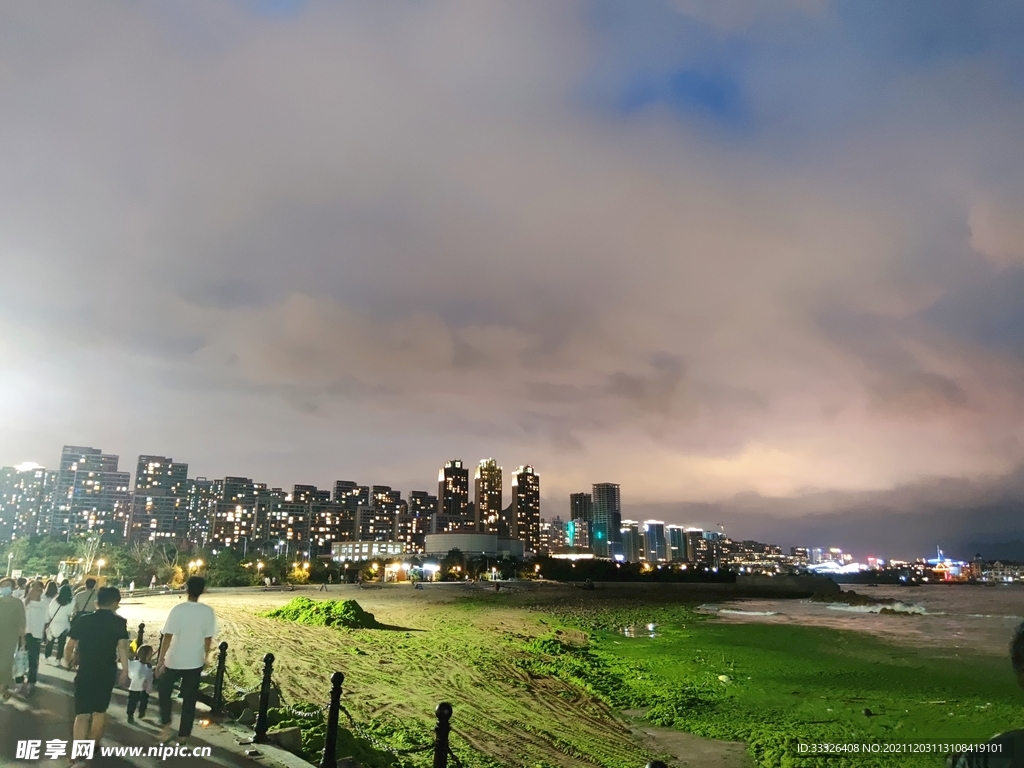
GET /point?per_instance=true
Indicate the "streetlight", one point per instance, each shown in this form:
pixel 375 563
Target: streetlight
pixel 99 566
pixel 10 556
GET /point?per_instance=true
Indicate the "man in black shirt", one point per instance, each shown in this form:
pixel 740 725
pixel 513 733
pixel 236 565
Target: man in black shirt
pixel 97 641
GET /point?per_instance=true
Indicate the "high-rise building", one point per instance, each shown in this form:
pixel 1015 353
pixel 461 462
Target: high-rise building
pixel 332 522
pixel 26 495
pixel 200 495
pixel 605 537
pixel 91 496
pixel 309 493
pixel 375 523
pixel 411 529
pixel 524 522
pixel 268 507
pixel 552 534
pixel 577 533
pixel 704 547
pixel 288 526
pixel 655 541
pixel 676 543
pixel 384 497
pixel 351 494
pixel 487 495
pixel 414 526
pixel 633 550
pixel 453 489
pixel 581 506
pixel 160 500
pixel 232 524
pixel 233 515
pixel 422 504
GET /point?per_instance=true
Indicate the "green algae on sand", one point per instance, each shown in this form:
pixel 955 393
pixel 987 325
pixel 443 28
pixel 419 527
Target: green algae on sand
pixel 325 613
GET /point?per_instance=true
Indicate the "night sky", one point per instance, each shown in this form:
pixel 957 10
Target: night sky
pixel 753 261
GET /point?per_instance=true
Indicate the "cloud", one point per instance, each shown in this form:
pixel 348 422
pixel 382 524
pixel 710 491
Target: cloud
pixel 997 232
pixel 308 241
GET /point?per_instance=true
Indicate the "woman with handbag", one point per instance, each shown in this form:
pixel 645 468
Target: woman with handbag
pixel 12 630
pixel 58 623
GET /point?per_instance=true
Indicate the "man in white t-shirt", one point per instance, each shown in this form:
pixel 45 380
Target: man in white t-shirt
pixel 188 635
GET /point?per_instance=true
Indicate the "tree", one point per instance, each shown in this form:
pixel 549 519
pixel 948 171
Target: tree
pixel 453 565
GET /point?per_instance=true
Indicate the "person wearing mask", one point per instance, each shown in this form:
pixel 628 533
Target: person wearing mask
pixel 188 634
pixel 12 632
pixel 85 601
pixel 97 642
pixel 58 623
pixel 35 626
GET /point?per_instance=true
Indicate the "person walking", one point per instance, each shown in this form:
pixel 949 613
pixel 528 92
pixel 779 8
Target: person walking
pixel 19 589
pixel 152 582
pixel 58 623
pixel 35 630
pixel 85 601
pixel 141 674
pixel 97 642
pixel 131 587
pixel 12 631
pixel 51 591
pixel 188 635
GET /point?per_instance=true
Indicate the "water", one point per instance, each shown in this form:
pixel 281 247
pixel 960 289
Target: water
pixel 645 630
pixel 979 618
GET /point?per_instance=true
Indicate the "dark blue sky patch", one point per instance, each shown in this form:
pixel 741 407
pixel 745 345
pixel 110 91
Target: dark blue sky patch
pixel 689 92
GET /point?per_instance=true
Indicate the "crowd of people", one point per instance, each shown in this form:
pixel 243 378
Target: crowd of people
pixel 84 633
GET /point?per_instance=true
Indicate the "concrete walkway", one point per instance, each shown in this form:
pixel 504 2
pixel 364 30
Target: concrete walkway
pixel 48 713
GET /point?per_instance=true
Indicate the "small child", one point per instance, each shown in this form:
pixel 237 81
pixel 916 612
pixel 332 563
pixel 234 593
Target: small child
pixel 141 674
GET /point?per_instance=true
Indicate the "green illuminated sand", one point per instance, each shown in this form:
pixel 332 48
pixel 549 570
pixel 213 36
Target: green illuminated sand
pixel 541 678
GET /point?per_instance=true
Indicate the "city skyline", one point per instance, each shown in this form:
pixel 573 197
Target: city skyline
pixel 761 264
pixel 160 503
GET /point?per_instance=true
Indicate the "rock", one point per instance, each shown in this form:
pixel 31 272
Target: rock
pixel 252 700
pixel 248 717
pixel 287 738
pixel 235 708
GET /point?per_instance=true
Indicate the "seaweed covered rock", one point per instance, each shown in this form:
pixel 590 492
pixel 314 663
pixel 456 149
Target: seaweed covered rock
pixel 325 613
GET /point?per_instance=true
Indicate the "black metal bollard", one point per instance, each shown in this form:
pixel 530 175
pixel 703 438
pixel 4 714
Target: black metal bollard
pixel 656 764
pixel 218 680
pixel 330 756
pixel 441 731
pixel 142 634
pixel 260 736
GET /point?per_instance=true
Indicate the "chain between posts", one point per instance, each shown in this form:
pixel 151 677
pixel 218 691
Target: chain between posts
pixel 363 733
